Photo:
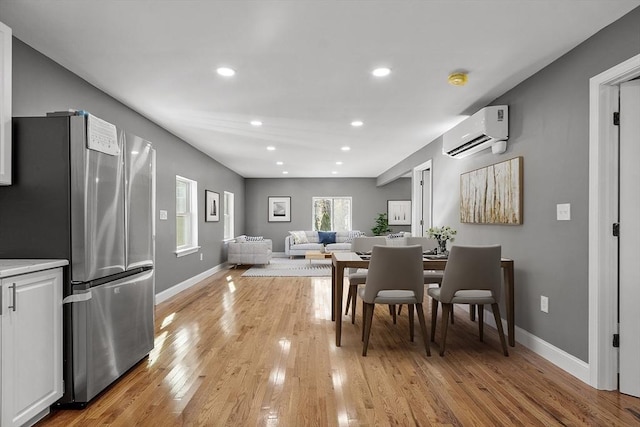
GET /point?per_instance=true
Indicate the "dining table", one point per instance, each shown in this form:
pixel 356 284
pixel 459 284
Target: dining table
pixel 342 260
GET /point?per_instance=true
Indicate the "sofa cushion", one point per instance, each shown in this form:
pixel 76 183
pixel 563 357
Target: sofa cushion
pixel 308 247
pixel 299 237
pixel 327 237
pixel 332 247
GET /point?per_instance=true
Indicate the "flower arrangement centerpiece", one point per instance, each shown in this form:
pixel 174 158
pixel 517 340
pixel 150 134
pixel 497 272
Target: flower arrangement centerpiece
pixel 442 235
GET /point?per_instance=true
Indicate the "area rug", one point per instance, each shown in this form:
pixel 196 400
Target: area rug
pixel 285 267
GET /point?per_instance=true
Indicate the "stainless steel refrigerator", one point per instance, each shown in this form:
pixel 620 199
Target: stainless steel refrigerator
pixel 83 191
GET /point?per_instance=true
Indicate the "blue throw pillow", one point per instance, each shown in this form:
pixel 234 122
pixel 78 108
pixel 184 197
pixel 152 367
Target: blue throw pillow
pixel 326 237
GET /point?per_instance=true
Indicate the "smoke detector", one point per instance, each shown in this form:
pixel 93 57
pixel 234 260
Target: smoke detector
pixel 457 79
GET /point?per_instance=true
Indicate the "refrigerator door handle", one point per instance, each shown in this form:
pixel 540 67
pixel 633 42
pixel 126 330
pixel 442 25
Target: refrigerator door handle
pixel 79 297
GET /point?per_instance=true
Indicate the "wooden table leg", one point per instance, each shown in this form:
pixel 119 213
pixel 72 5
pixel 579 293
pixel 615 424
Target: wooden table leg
pixel 508 288
pixel 337 309
pixel 333 292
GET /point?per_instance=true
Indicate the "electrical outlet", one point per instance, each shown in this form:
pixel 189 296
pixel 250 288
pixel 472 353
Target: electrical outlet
pixel 201 256
pixel 544 304
pixel 163 215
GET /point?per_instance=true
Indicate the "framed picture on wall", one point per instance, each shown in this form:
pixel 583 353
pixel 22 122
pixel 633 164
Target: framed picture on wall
pixel 492 194
pixel 279 209
pixel 399 212
pixel 212 206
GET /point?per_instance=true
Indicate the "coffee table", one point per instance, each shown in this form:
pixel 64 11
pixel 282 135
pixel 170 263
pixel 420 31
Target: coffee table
pixel 311 255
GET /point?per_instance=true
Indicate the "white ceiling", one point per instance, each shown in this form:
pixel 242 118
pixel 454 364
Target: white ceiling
pixel 303 68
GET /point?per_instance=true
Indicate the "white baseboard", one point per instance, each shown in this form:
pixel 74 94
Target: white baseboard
pixel 176 289
pixel 553 354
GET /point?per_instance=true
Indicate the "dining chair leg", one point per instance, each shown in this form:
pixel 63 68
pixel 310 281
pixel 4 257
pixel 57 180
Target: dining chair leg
pixel 364 319
pixel 481 321
pixel 349 298
pixel 496 315
pixel 452 316
pixel 367 327
pixel 423 328
pixel 446 309
pixel 411 329
pixel 399 309
pixel 434 318
pixel 353 305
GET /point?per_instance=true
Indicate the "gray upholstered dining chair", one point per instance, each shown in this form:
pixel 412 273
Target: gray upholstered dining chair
pixel 394 277
pixel 472 276
pixel 357 276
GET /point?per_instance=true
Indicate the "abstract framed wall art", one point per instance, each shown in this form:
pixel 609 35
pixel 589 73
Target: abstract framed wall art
pixel 399 212
pixel 279 209
pixel 492 194
pixel 212 206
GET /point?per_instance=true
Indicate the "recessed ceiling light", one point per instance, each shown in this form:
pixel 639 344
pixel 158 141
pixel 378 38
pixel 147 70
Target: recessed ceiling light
pixel 279 163
pixel 271 148
pixel 284 172
pixel 357 123
pixel 256 123
pixel 226 71
pixel 381 72
pixel 345 148
pixel 338 163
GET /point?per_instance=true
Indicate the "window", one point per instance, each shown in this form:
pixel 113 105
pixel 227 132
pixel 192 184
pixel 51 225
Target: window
pixel 228 215
pixel 186 216
pixel 331 213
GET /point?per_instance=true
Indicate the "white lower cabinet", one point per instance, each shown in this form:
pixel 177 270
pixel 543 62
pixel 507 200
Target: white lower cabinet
pixel 30 345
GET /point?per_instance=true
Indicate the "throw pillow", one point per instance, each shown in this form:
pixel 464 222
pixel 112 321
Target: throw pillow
pixel 326 237
pixel 241 239
pixel 352 235
pixel 299 237
pixel 395 235
pixel 255 238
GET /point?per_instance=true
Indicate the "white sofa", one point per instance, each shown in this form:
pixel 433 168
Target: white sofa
pixel 241 251
pixel 343 243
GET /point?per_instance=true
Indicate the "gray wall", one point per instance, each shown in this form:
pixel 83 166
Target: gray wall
pixel 368 200
pixel 40 86
pixel 549 128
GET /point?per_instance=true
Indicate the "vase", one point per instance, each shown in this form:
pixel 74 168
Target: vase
pixel 442 247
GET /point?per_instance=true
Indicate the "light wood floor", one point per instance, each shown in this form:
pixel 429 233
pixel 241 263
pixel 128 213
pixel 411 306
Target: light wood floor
pixel 234 351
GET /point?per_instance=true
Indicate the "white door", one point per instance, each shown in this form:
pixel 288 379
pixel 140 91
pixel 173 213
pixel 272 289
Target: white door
pixel 421 198
pixel 426 201
pixel 629 240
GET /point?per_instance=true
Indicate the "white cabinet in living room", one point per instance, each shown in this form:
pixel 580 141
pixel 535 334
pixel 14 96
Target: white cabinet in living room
pixel 30 343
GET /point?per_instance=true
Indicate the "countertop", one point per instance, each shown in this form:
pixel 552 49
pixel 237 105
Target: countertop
pixel 13 267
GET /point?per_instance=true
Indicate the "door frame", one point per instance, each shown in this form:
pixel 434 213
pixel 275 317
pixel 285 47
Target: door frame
pixel 416 196
pixel 603 212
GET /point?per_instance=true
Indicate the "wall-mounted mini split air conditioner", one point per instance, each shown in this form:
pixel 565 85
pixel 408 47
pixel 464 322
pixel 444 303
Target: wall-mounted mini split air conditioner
pixel 488 128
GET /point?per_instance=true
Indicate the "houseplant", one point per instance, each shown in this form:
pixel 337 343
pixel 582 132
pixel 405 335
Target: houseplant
pixel 382 225
pixel 442 235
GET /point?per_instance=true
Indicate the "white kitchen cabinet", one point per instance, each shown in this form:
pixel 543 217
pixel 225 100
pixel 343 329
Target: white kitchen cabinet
pixel 30 342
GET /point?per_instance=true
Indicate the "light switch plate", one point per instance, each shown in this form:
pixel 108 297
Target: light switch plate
pixel 563 211
pixel 163 215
